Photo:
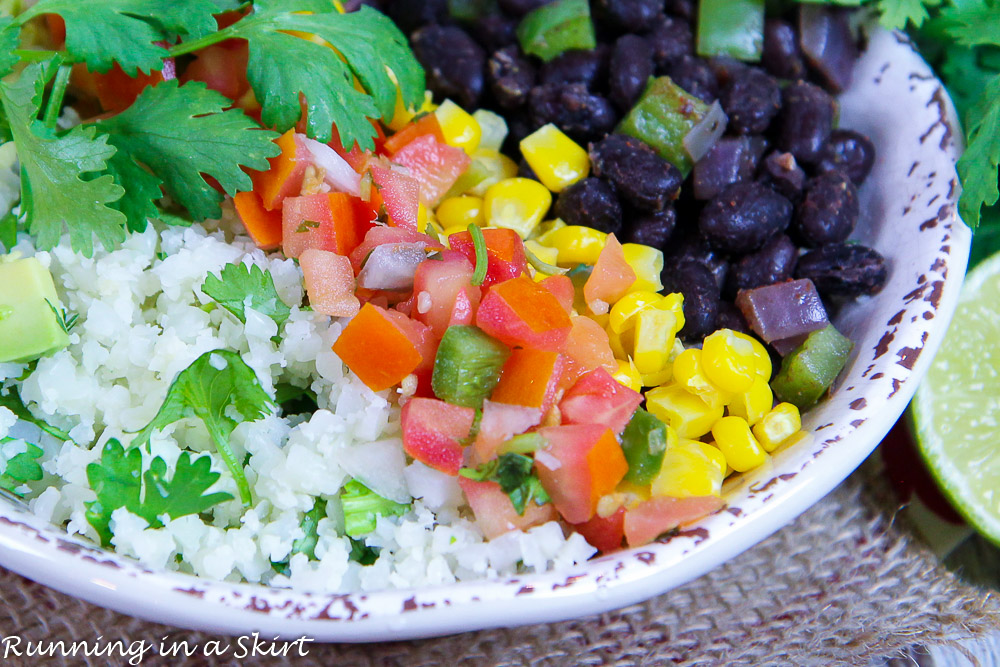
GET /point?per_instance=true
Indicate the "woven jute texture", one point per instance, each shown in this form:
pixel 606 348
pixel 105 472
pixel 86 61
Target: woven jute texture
pixel 843 584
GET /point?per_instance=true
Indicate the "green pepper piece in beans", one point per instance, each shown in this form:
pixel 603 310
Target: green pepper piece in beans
pixel 732 28
pixel 557 27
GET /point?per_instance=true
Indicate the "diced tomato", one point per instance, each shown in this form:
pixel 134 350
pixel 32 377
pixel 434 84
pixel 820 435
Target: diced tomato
pixel 357 158
pixel 284 178
pixel 579 464
pixel 221 68
pixel 381 234
pixel 604 533
pixel 562 289
pixel 495 514
pixel 444 293
pixel 521 314
pixel 435 164
pixel 117 91
pixel 588 346
pixel 263 226
pixel 398 193
pixel 329 282
pixel 500 423
pixel 381 347
pixel 504 250
pixel 653 517
pixel 57 28
pixel 611 278
pixel 433 432
pixel 328 221
pixel 597 398
pixel 425 125
pixel 530 378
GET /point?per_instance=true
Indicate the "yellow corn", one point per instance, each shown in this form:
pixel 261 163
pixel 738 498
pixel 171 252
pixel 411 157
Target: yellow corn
pixel 627 375
pixel 688 470
pixel 754 403
pixel 448 231
pixel 499 166
pixel 557 160
pixel 657 379
pixel 576 244
pixel 458 126
pixel 494 129
pixel 461 212
pixel 625 309
pixel 777 426
pixel 690 416
pixel 689 374
pixel 741 449
pixel 621 344
pixel 647 263
pixel 422 216
pixel 602 319
pixel 729 361
pixel 760 354
pixel 542 231
pixel 542 252
pixel 654 337
pixel 713 452
pixel 516 203
pixel 402 116
pixel 674 302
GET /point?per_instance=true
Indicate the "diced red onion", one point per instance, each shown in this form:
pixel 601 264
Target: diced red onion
pixel 783 310
pixel 828 44
pixel 730 160
pixel 703 136
pixel 391 266
pixel 339 175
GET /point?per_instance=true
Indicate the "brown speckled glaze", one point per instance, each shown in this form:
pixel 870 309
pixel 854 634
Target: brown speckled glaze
pixel 908 207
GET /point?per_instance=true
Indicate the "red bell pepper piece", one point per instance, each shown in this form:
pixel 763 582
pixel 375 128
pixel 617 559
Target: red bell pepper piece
pixel 263 226
pixel 433 432
pixel 530 378
pixel 521 314
pixel 597 398
pixel 382 347
pixel 425 125
pixel 284 178
pixel 504 250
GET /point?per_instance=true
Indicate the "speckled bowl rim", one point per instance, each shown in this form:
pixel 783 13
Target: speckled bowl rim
pixel 927 246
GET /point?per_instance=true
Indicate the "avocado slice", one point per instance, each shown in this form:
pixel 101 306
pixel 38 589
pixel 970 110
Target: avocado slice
pixel 29 327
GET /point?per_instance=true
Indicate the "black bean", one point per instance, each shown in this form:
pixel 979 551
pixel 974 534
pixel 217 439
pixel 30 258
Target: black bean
pixel 844 269
pixel 631 67
pixel 805 121
pixel 511 77
pixel 743 217
pixel 454 63
pixel 518 7
pixel 573 109
pixel 695 76
pixel 690 245
pixel 774 263
pixel 591 203
pixel 586 66
pixel 670 39
pixel 850 152
pixel 782 56
pixel 730 160
pixel 686 9
pixel 783 173
pixel 829 210
pixel 701 296
pixel 726 69
pixel 730 317
pixel 630 15
pixel 495 31
pixel 643 178
pixel 524 170
pixel 751 100
pixel 652 229
pixel 412 15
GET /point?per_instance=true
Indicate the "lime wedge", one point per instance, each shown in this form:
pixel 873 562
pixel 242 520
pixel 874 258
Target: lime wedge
pixel 956 410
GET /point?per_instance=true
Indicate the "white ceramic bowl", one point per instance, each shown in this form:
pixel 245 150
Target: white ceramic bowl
pixel 908 213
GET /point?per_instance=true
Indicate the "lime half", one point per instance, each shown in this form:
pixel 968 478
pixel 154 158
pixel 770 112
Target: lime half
pixel 956 410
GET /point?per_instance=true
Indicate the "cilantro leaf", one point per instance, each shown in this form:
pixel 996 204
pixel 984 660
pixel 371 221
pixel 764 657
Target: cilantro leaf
pixel 217 388
pixel 513 472
pixel 898 13
pixel 978 165
pixel 282 67
pixel 310 524
pixel 10 39
pixel 55 188
pixel 21 467
pixel 237 282
pixel 180 133
pixel 973 23
pixel 118 482
pixel 12 401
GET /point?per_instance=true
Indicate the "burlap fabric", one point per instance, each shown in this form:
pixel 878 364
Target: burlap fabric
pixel 843 584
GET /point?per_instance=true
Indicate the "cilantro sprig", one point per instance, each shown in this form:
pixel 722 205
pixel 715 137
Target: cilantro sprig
pixel 513 472
pixel 237 283
pixel 22 467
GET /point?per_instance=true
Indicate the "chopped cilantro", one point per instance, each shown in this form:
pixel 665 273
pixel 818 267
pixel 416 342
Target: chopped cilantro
pixel 362 507
pixel 65 321
pixel 12 401
pixel 306 226
pixel 236 283
pixel 21 468
pixel 310 524
pixel 361 553
pixel 514 475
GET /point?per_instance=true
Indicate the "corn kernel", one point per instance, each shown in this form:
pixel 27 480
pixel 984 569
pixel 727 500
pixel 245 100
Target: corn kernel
pixel 654 336
pixel 713 452
pixel 458 126
pixel 494 129
pixel 448 231
pixel 647 263
pixel 778 425
pixel 674 302
pixel 627 375
pixel 498 166
pixel 461 212
pixel 742 451
pixel 677 349
pixel 690 416
pixel 625 309
pixel 557 160
pixel 688 471
pixel 542 231
pixel 601 319
pixel 577 244
pixel 689 374
pixel 760 354
pixel 656 379
pixel 622 344
pixel 729 361
pixel 754 403
pixel 422 216
pixel 542 252
pixel 516 203
pixel 402 116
